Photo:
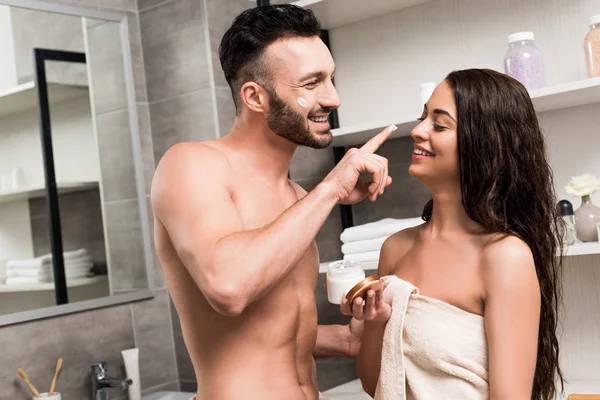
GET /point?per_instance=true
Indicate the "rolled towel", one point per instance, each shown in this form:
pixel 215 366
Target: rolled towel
pixel 363 257
pixel 364 246
pixel 383 227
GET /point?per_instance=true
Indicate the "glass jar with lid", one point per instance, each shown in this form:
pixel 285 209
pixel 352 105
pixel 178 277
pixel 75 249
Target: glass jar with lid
pixel 592 47
pixel 523 60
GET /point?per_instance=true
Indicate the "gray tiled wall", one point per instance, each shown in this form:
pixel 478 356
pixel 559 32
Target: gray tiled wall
pixel 98 335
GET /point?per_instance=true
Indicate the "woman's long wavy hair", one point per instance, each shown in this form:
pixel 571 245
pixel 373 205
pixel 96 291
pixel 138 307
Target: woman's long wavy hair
pixel 507 187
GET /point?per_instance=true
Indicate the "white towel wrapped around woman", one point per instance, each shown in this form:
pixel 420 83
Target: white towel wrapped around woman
pixel 431 349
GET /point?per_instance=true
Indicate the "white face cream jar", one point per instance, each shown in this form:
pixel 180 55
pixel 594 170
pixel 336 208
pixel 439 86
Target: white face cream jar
pixel 341 277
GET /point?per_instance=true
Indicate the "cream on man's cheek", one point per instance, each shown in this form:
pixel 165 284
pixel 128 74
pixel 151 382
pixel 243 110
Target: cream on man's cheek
pixel 303 103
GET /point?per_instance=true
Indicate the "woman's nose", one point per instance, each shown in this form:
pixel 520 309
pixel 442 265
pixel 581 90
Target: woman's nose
pixel 419 132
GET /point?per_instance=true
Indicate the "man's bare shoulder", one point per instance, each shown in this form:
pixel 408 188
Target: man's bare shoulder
pixel 190 165
pixel 193 154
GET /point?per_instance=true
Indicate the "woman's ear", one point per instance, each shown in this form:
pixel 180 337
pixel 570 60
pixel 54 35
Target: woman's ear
pixel 255 97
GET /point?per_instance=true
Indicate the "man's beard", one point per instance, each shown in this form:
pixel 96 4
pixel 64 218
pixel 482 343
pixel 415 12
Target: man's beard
pixel 293 126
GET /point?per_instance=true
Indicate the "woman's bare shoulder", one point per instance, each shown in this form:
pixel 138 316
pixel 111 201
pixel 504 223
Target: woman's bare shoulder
pixel 396 247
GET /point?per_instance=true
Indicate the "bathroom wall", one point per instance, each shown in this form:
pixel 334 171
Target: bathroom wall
pixel 98 335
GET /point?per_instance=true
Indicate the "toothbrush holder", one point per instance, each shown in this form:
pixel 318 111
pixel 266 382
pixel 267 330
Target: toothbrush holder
pixel 44 396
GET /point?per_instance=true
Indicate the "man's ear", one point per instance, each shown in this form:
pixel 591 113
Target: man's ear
pixel 255 97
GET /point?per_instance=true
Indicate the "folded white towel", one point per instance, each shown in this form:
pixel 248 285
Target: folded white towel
pixel 384 227
pixel 79 253
pixel 35 263
pixel 363 257
pixel 49 267
pixel 44 263
pixel 364 246
pixel 29 280
pixel 83 269
pixel 70 255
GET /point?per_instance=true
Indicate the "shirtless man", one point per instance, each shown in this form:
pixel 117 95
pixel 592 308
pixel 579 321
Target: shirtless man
pixel 236 238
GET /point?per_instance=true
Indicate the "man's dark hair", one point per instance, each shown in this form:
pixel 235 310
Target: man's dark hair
pixel 242 47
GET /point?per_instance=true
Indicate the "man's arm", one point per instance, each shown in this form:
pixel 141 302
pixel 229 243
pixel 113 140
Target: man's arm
pixel 339 340
pixel 232 266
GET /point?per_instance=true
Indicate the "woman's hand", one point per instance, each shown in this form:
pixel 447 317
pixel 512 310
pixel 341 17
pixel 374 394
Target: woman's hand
pixel 372 309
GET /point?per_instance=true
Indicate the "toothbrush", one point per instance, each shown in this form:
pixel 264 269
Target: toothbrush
pixel 56 371
pixel 24 377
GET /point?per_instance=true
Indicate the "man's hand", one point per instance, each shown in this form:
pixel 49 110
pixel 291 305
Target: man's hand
pixel 355 338
pixel 373 309
pixel 345 177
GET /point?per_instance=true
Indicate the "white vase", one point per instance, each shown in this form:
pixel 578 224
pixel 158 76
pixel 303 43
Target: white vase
pixel 587 217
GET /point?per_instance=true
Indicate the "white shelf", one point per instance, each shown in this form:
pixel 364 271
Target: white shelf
pixel 557 97
pixel 24 97
pixel 34 192
pixel 336 13
pixel 38 287
pixel 581 249
pixel 567 95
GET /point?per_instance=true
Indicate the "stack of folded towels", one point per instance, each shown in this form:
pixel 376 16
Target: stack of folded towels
pixel 363 242
pixel 78 264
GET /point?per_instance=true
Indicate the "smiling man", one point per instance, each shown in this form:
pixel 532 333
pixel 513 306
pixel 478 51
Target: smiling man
pixel 235 237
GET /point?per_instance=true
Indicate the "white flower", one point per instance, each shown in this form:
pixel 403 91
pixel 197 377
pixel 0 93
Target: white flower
pixel 583 185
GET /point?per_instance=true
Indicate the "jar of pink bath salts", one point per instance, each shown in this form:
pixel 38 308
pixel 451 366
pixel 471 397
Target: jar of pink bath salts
pixel 523 61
